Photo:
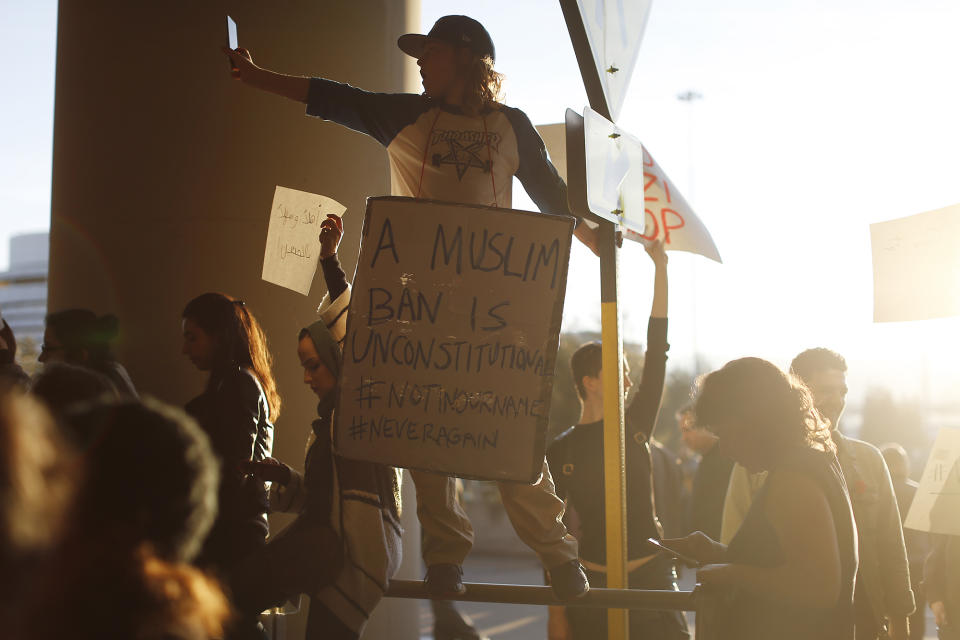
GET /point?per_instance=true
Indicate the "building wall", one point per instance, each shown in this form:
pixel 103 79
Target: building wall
pixel 164 168
pixel 23 291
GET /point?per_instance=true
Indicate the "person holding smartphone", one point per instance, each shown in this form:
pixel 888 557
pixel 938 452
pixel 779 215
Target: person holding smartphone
pixel 789 572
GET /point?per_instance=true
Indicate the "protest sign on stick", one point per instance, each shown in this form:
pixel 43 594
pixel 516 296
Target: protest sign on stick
pixel 936 506
pixel 293 237
pixel 916 266
pixel 452 338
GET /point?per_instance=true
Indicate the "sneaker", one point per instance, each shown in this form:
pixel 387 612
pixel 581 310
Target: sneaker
pixel 444 581
pixel 568 581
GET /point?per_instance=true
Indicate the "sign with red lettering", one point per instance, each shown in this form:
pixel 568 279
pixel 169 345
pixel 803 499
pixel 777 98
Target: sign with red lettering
pixel 667 215
pixel 452 338
pixel 624 184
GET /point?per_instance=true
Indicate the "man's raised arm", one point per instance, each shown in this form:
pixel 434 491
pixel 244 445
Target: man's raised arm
pixel 293 87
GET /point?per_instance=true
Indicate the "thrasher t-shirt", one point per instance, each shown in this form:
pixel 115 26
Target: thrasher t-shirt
pixel 436 152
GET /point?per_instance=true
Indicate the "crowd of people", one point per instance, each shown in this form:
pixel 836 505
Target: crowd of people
pixel 125 517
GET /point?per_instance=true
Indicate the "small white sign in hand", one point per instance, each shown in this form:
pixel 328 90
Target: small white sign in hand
pixel 293 237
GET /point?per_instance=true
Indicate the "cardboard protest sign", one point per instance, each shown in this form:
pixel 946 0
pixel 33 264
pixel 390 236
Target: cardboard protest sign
pixel 916 266
pixel 936 506
pixel 606 37
pixel 452 338
pixel 293 237
pixel 625 184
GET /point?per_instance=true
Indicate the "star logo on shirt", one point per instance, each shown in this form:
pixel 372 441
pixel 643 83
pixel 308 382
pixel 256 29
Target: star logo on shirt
pixel 463 157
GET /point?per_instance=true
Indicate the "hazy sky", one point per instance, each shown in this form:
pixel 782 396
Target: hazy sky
pixel 817 119
pixel 28 43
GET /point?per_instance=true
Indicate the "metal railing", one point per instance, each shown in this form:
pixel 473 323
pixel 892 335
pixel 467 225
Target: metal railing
pixel 699 601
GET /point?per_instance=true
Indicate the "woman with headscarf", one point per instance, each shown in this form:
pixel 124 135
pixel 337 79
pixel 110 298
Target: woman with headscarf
pixel 345 543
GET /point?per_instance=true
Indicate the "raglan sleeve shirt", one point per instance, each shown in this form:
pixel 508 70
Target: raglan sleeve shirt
pixel 378 115
pixel 535 171
pixel 405 123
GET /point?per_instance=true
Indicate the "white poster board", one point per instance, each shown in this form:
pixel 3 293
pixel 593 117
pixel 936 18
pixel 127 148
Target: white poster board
pixel 936 507
pixel 916 266
pixel 624 180
pixel 293 237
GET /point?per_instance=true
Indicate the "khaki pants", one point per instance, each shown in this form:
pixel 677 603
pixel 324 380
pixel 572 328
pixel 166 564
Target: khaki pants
pixel 534 510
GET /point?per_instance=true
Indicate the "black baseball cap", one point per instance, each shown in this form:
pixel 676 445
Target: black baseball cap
pixel 460 31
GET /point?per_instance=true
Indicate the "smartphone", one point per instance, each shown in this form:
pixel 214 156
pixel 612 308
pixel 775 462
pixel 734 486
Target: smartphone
pixel 232 38
pixel 231 33
pixel 687 560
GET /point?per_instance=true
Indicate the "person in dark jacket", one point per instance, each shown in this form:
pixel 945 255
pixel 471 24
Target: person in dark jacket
pixel 917 542
pixel 883 599
pixel 710 479
pixel 236 410
pixel 80 337
pixel 670 494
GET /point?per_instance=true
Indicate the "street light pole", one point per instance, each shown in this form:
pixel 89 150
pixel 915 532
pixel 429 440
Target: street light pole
pixel 690 97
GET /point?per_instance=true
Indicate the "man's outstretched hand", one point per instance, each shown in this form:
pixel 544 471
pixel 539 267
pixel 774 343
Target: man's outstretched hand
pixel 242 61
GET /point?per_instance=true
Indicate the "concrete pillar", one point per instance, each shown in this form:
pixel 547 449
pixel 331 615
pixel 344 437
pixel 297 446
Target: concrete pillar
pixel 164 170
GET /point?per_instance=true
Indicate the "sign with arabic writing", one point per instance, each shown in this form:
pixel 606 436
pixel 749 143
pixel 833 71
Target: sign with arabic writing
pixel 293 237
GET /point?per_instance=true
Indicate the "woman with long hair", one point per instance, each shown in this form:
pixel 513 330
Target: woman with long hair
pixel 237 410
pixel 81 337
pixel 789 571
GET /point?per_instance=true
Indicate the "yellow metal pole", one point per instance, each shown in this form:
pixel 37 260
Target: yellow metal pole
pixel 614 470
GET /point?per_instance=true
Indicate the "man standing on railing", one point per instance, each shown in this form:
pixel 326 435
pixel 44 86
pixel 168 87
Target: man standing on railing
pixel 576 461
pixel 457 143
